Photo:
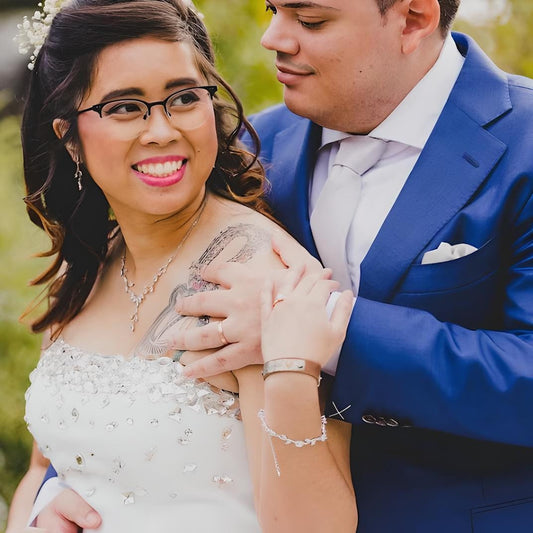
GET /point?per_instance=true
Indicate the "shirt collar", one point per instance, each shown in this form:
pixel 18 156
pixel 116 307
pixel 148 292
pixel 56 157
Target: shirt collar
pixel 413 120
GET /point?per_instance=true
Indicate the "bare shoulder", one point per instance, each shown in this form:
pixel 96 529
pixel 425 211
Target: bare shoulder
pixel 245 235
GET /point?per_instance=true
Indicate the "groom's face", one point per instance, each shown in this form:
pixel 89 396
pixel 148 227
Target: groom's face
pixel 337 59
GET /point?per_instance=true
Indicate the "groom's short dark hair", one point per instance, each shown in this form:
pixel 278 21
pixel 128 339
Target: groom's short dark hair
pixel 448 10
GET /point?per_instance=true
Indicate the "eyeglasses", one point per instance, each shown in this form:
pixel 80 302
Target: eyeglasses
pixel 186 109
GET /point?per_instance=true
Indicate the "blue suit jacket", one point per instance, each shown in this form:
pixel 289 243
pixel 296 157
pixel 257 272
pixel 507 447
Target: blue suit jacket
pixel 438 359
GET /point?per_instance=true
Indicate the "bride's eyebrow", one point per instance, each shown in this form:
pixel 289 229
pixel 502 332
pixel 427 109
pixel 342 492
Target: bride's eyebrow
pixel 177 83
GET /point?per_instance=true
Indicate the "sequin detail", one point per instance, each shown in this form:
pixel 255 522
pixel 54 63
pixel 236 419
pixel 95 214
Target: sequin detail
pixel 65 367
pixel 222 480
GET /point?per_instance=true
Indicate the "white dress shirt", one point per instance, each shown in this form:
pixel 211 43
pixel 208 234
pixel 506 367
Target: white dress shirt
pixel 406 131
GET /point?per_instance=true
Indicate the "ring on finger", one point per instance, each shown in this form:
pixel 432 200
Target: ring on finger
pixel 278 299
pixel 221 335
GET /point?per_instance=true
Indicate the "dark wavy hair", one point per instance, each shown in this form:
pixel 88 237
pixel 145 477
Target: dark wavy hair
pixel 78 223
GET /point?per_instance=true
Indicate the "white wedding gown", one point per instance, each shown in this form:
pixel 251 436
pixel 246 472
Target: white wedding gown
pixel 150 450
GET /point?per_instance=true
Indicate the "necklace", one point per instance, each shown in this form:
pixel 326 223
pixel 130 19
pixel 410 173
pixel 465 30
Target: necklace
pixel 138 299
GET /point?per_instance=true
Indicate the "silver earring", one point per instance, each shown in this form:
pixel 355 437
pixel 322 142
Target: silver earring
pixel 78 175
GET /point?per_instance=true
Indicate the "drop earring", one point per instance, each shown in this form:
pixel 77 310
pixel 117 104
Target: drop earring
pixel 78 175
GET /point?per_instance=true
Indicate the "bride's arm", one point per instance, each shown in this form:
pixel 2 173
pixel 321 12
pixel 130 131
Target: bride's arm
pixel 22 502
pixel 313 491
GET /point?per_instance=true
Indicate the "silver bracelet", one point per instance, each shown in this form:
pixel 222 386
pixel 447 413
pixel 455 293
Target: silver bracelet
pixel 293 364
pixel 323 437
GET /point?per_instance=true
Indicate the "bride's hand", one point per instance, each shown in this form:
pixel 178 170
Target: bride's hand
pixel 226 380
pixel 294 318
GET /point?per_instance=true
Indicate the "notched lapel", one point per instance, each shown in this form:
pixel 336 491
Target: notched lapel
pixel 445 177
pixel 458 157
pixel 294 155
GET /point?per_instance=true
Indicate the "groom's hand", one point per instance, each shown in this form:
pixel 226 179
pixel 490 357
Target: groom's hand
pixel 66 513
pixel 237 336
pixel 238 304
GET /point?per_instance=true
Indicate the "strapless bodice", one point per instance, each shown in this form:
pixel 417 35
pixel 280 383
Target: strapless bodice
pixel 148 448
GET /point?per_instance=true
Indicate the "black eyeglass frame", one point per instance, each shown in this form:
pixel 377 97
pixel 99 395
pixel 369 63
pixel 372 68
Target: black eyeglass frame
pixel 211 89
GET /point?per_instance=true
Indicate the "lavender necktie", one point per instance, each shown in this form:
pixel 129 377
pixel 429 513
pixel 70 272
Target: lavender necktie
pixel 337 203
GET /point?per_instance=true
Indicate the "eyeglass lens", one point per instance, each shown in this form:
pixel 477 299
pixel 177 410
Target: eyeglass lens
pixel 186 110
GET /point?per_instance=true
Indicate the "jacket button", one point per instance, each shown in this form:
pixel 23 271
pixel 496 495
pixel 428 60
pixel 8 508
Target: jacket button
pixel 368 419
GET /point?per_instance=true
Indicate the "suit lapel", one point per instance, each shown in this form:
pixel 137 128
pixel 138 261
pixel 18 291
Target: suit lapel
pixel 457 158
pixel 290 190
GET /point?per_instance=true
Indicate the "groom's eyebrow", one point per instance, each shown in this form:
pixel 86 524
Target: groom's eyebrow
pixel 306 5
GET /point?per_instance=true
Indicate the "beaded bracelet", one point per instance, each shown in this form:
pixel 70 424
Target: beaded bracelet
pixel 323 437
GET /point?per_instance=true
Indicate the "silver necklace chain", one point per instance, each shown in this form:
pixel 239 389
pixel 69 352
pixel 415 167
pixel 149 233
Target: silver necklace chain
pixel 138 299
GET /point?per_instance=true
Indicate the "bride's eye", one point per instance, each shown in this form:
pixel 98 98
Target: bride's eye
pixel 311 25
pixel 271 8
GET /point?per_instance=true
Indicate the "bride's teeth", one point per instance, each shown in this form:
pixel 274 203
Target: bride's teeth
pixel 160 169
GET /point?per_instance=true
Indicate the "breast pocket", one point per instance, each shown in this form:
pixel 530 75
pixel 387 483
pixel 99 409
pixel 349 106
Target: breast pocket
pixel 466 291
pixel 511 517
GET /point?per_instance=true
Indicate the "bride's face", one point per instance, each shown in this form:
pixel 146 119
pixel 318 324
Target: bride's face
pixel 153 164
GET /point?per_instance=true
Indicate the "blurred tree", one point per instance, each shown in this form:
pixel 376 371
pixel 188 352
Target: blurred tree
pixel 236 28
pixel 507 38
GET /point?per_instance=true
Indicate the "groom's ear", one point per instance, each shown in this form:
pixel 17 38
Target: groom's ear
pixel 421 21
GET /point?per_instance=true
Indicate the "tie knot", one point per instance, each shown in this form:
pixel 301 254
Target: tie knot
pixel 360 153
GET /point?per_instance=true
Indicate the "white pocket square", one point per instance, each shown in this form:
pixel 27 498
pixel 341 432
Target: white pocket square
pixel 447 252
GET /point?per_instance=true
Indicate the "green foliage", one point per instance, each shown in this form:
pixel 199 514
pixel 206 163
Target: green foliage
pixel 507 39
pixel 236 28
pixel 18 349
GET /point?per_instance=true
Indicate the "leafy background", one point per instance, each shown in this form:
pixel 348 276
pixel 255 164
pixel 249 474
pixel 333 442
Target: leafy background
pixel 236 27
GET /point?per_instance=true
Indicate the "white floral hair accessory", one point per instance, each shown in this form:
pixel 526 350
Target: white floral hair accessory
pixel 33 32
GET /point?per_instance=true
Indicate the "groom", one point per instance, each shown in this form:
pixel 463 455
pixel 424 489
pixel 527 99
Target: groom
pixel 436 373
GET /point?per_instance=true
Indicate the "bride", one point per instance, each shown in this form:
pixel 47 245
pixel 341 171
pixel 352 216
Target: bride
pixel 133 168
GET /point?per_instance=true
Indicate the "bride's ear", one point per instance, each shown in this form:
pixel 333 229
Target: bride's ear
pixel 61 127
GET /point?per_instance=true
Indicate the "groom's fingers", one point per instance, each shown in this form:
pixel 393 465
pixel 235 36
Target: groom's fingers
pixel 232 357
pixel 66 513
pixel 293 255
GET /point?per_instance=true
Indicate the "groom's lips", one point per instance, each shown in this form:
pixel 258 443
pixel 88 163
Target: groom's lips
pixel 288 75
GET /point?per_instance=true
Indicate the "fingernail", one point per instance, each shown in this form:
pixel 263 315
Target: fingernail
pixel 92 518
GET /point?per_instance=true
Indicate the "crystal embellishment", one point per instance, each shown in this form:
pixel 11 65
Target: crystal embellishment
pixel 222 480
pixel 66 367
pixel 129 498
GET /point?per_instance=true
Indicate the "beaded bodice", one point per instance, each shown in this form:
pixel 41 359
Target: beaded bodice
pixel 150 449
